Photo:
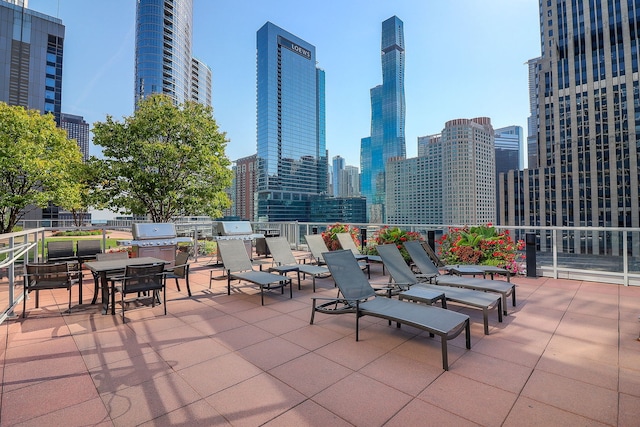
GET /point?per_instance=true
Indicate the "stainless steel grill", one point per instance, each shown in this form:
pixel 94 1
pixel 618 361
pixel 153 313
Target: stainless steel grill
pixel 237 230
pixel 153 234
pixel 241 230
pixel 156 240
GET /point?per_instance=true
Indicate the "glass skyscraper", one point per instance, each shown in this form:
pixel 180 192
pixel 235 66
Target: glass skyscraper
pixel 292 158
pixel 31 51
pixel 387 138
pixel 163 49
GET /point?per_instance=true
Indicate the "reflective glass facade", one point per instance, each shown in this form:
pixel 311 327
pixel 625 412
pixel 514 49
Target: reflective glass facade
pixel 31 52
pixel 292 159
pixel 387 138
pixel 163 48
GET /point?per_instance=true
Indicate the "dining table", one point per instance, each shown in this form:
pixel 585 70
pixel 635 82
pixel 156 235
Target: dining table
pixel 103 268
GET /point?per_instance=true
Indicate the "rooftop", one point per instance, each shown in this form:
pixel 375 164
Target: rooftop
pixel 567 354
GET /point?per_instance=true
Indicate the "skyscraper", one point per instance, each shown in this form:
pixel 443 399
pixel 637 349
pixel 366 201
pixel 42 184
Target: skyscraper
pixel 468 171
pixel 292 158
pixel 509 154
pixel 77 128
pixel 387 120
pixel 338 166
pixel 164 61
pixel 201 82
pixel 31 51
pixel 588 134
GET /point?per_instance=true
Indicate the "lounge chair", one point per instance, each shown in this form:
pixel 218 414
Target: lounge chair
pixel 423 292
pixel 238 266
pixel 346 241
pixel 286 262
pixel 466 269
pixel 358 296
pixel 317 247
pixel 424 264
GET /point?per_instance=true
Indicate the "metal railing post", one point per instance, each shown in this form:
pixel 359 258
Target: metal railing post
pixel 12 275
pixel 196 249
pixel 625 259
pixel 554 251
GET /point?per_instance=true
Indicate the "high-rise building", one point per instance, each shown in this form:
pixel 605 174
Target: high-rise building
pixel 31 51
pixel 533 119
pixel 291 153
pixel 201 82
pixel 338 167
pixel 387 138
pixel 245 187
pixel 164 61
pixel 414 185
pixel 588 142
pixel 468 171
pixel 77 128
pixel 509 143
pixel 349 182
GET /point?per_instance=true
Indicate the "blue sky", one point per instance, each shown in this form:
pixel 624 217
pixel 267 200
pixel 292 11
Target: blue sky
pixel 464 58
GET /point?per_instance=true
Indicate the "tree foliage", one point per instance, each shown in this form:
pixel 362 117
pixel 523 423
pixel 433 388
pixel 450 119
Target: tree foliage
pixel 164 160
pixel 37 164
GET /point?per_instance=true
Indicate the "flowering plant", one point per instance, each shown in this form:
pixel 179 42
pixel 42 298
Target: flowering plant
pixel 394 235
pixel 331 240
pixel 481 245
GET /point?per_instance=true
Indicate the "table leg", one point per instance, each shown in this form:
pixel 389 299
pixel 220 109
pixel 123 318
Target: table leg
pixel 105 292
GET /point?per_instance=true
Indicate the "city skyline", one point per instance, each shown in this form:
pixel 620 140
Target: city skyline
pixel 471 53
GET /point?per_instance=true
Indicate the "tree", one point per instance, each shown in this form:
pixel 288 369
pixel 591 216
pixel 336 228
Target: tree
pixel 36 163
pixel 165 161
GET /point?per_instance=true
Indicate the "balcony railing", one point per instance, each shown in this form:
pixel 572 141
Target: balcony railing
pixel 598 254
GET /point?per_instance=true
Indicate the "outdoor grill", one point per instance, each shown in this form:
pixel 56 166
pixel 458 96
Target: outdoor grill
pixel 237 230
pixel 156 240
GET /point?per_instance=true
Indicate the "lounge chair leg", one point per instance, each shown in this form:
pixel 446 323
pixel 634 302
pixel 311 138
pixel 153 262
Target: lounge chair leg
pixel 485 318
pixel 313 311
pixel 445 356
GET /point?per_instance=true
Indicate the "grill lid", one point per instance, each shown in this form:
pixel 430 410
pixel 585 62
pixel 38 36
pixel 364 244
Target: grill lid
pixel 154 230
pixel 234 228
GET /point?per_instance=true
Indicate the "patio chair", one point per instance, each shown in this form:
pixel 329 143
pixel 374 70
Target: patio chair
pixel 346 241
pixel 238 266
pixel 358 296
pixel 466 269
pixel 107 256
pixel 180 270
pixel 422 292
pixel 140 279
pixel 88 249
pixel 60 250
pixel 46 276
pixel 286 262
pixel 317 247
pixel 424 264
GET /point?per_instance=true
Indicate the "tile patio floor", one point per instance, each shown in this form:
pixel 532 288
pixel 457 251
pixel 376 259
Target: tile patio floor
pixel 568 354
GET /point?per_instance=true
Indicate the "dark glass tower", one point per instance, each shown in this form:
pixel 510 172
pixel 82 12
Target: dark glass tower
pixel 31 51
pixel 163 49
pixel 292 159
pixel 387 138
